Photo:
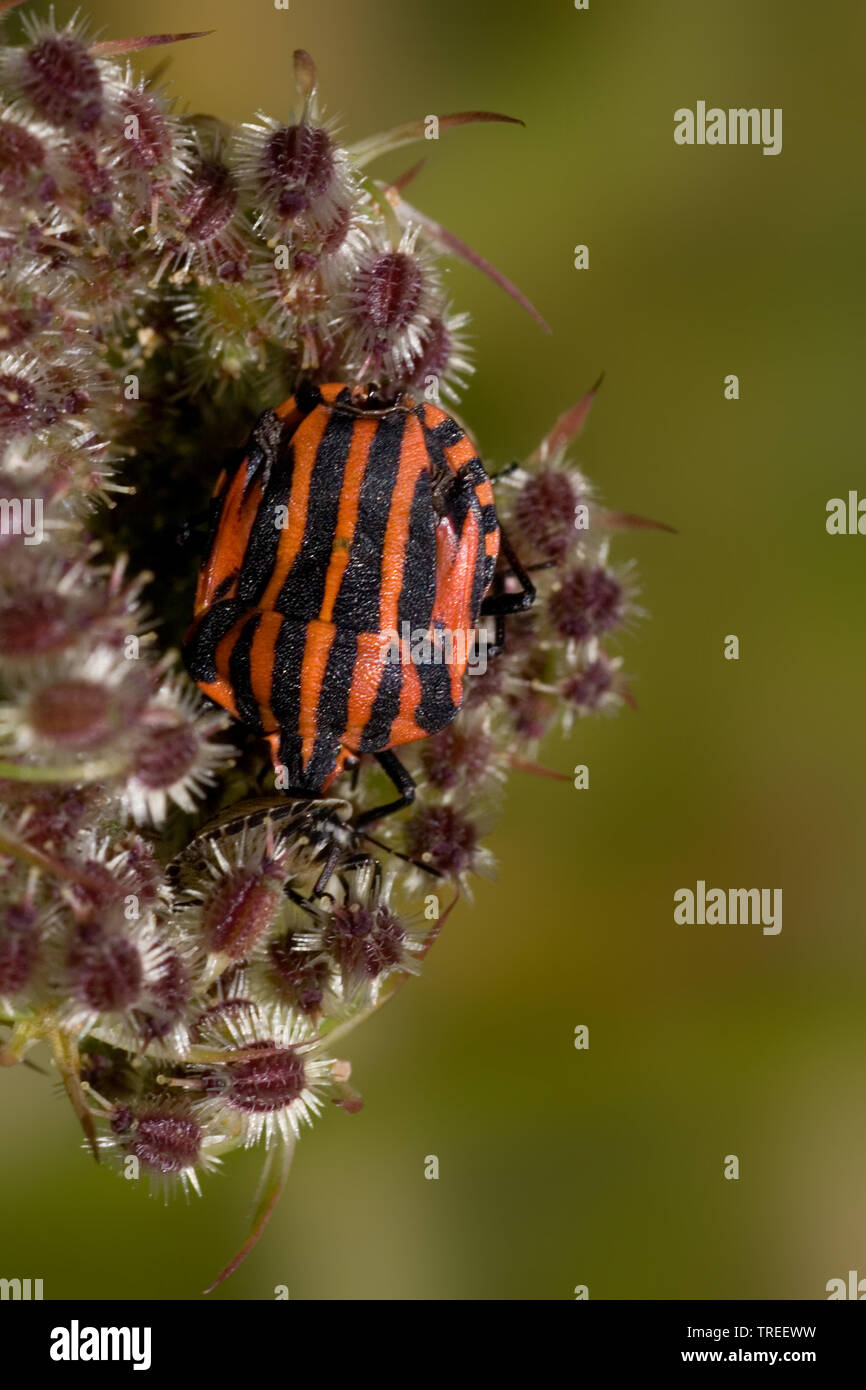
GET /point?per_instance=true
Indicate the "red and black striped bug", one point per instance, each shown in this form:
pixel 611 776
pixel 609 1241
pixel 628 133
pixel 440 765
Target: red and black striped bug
pixel 346 518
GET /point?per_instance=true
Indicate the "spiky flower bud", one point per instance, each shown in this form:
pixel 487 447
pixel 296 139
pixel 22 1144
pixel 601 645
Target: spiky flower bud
pixel 164 1139
pixel 55 74
pixel 587 601
pixel 545 510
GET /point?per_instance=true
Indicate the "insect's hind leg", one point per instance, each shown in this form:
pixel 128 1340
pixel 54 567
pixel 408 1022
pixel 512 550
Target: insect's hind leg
pixel 502 605
pixel 403 781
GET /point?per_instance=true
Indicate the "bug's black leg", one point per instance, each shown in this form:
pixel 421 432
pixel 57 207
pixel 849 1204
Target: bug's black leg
pixel 501 605
pixel 497 646
pixel 353 865
pixel 328 869
pixel 297 898
pixel 360 861
pixel 403 781
pixel 355 774
pixel 407 858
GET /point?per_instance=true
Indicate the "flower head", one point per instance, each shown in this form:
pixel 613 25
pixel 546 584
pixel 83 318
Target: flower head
pixel 269 1080
pixel 164 1138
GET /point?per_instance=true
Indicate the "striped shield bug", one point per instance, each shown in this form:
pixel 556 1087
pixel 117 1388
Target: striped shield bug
pixel 346 522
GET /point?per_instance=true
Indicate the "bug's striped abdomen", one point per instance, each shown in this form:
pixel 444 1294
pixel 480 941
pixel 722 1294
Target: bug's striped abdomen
pixel 343 529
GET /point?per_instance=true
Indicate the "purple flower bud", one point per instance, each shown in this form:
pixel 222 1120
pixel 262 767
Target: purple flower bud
pixel 93 179
pixel 171 990
pixel 78 714
pixel 443 838
pixel 209 201
pixel 434 355
pixel 365 941
pixel 53 816
pixel 104 969
pixel 586 603
pixel 241 908
pixel 16 325
pixel 269 1081
pixel 296 168
pixel 587 688
pixel 62 81
pixel 143 868
pixel 167 753
pixel 168 996
pixel 152 143
pixel 305 262
pixel 97 888
pixel 33 624
pixel 387 291
pixel 531 712
pixel 161 1141
pixel 456 756
pixel 302 975
pixel 544 512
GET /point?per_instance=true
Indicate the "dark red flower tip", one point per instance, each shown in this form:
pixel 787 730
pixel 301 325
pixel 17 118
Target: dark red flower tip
pixel 78 714
pixel 587 687
pixel 33 624
pixel 62 81
pixel 302 975
pixel 168 996
pixel 587 602
pixel 166 754
pixel 150 142
pixel 240 909
pixel 97 887
pixel 18 324
pixel 104 968
pixel 162 1143
pixel 209 202
pixel 443 838
pixel 52 815
pixel 268 1082
pixel 387 291
pixel 531 713
pixel 297 167
pixel 364 941
pixel 544 512
pixel 456 757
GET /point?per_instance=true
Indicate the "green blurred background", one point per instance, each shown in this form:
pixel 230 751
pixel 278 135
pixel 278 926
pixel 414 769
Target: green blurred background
pixel 605 1167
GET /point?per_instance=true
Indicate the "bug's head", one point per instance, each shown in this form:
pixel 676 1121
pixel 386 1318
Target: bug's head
pixel 371 400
